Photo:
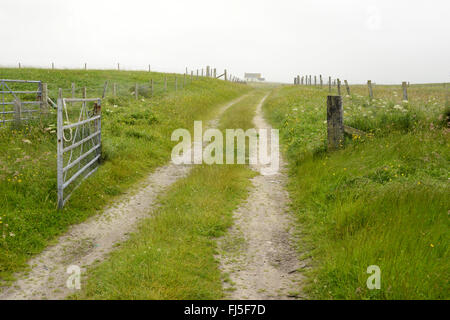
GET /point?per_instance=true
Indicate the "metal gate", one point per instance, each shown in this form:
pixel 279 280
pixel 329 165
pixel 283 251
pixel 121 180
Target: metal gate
pixel 79 143
pixel 21 100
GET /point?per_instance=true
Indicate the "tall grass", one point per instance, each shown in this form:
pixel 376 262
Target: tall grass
pixel 382 200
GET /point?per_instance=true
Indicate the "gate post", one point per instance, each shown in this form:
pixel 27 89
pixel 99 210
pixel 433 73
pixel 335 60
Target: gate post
pixel 405 92
pixel 60 147
pixel 17 113
pixel 105 87
pixel 44 98
pixel 347 87
pixel 369 85
pixel 335 125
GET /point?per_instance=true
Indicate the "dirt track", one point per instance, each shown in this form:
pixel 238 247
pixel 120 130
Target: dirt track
pixel 259 252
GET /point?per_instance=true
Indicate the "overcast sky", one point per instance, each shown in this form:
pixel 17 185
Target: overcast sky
pixel 387 41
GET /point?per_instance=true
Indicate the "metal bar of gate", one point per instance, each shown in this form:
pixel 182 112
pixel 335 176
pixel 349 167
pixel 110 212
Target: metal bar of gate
pixel 79 172
pixel 23 102
pixel 20 81
pixel 73 146
pixel 73 163
pixel 72 125
pixel 22 92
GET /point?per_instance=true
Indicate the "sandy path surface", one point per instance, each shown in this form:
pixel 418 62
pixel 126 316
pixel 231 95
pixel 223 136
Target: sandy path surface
pixel 92 240
pixel 258 254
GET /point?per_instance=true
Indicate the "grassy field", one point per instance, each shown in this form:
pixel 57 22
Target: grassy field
pixel 172 254
pixel 382 200
pixel 136 139
pixel 94 81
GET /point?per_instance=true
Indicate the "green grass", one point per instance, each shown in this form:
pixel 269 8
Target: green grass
pixel 136 139
pixel 94 81
pixel 171 256
pixel 382 200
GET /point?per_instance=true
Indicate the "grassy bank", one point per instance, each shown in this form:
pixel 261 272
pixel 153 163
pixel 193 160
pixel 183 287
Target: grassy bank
pixel 171 256
pixel 382 200
pixel 94 81
pixel 136 139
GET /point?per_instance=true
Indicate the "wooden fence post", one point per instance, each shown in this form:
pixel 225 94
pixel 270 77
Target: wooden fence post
pixel 44 98
pixel 136 91
pixel 208 71
pixel 85 66
pixel 20 65
pixel 329 84
pixel 17 113
pixel 202 72
pixel 53 65
pixel 339 86
pixel 347 87
pixel 105 87
pixel 225 74
pixel 315 80
pixel 405 91
pixel 73 90
pixel 335 124
pixel 197 74
pixel 369 85
pixel 321 81
pixel 118 67
pixel 215 73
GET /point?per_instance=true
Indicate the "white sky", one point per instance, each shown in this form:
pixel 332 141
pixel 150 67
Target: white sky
pixel 387 41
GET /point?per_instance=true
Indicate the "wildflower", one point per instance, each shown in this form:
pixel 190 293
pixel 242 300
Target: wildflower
pixel 12 234
pixel 431 245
